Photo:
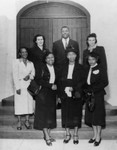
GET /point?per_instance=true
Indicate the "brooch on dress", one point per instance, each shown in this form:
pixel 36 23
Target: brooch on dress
pixel 96 71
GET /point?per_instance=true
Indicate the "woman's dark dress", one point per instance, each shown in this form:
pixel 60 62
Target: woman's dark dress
pixel 45 111
pixel 72 107
pixel 99 81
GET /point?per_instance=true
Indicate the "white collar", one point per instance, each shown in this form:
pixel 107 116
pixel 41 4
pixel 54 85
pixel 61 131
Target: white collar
pixel 63 39
pixel 49 66
pixel 21 60
pixel 94 65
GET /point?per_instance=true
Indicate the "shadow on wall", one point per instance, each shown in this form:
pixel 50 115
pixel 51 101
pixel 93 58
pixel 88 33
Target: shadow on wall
pixel 7 53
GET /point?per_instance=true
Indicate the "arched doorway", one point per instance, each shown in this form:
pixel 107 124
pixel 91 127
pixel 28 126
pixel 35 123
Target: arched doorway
pixel 48 18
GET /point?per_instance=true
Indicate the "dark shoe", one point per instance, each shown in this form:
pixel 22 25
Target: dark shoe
pixel 27 124
pixel 91 140
pixel 67 140
pixel 19 128
pixel 97 143
pixel 76 141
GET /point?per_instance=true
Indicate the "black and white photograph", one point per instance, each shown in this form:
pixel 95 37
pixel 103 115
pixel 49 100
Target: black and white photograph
pixel 58 79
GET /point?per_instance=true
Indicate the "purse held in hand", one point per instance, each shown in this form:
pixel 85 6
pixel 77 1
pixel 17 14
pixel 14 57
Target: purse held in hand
pixel 33 88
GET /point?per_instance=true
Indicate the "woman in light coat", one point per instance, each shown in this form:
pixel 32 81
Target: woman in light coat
pixel 23 73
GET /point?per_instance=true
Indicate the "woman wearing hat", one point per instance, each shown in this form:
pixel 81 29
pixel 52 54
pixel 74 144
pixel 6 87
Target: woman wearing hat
pixel 71 82
pixel 93 47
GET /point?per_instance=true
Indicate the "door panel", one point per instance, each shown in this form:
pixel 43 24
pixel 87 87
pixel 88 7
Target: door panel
pixel 30 27
pixel 51 29
pixel 48 18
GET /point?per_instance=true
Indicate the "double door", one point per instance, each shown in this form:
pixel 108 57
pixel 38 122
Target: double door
pixel 48 18
pixel 51 29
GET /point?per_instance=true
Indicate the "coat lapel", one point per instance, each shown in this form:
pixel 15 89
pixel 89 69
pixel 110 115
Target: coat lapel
pixel 94 74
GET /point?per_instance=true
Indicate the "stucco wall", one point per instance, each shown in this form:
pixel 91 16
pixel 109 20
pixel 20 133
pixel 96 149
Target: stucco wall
pixel 103 23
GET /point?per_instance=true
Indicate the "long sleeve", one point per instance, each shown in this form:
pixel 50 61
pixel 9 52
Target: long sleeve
pixel 102 83
pixel 80 80
pixel 32 74
pixel 103 58
pixel 43 76
pixel 16 74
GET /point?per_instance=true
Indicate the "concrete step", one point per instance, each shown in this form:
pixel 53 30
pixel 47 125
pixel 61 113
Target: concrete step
pixel 6 110
pixel 58 133
pixel 9 110
pixel 111 121
pixel 8 124
pixel 8 101
pixel 9 130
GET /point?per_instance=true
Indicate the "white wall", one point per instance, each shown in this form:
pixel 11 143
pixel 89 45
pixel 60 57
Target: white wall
pixel 7 46
pixel 103 23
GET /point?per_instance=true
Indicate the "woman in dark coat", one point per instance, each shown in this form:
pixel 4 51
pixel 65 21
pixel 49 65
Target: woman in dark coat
pixel 93 47
pixel 96 81
pixel 45 111
pixel 36 53
pixel 71 83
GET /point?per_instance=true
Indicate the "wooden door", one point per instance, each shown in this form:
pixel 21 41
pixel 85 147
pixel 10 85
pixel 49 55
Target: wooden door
pixel 47 19
pixel 29 27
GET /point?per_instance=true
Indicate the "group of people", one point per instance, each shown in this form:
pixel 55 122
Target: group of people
pixel 59 75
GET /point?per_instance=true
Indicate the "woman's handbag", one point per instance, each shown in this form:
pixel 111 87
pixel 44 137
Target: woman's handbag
pixel 33 88
pixel 90 101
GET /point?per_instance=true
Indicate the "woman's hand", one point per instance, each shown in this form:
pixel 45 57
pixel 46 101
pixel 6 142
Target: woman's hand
pixel 54 87
pixel 18 91
pixel 27 78
pixel 68 91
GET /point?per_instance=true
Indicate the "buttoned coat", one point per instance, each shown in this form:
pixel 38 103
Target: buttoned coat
pixel 78 78
pixel 72 106
pixel 99 80
pixel 35 54
pixel 23 103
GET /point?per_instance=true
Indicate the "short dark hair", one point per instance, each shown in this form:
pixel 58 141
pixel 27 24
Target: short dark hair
pixel 46 54
pixel 35 38
pixel 38 35
pixel 64 27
